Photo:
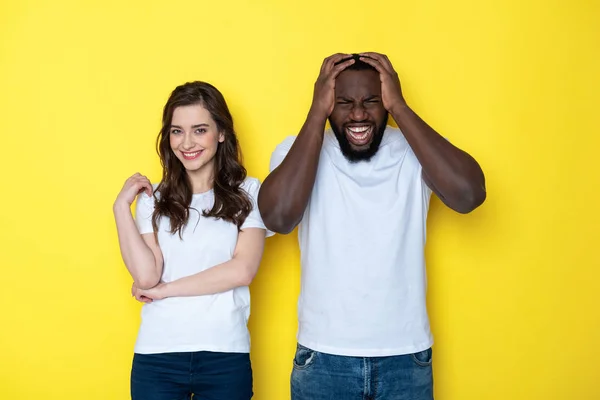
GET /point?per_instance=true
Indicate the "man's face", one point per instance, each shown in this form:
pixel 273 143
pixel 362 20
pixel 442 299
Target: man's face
pixel 358 119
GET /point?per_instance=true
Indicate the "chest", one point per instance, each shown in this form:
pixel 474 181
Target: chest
pixel 204 242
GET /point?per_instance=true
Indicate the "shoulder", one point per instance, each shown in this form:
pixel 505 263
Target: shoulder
pixel 250 181
pixel 393 136
pixel 155 192
pixel 149 199
pixel 145 204
pixel 251 185
pixel 148 202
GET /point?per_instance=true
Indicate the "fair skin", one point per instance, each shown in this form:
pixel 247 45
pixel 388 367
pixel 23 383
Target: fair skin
pixel 194 139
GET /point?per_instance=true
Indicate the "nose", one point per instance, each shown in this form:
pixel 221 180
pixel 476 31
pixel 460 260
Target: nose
pixel 188 143
pixel 358 113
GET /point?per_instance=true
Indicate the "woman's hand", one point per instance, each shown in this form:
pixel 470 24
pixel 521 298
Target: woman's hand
pixel 133 186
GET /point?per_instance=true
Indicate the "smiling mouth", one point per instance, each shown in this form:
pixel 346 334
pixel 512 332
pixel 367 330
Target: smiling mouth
pixel 191 155
pixel 359 135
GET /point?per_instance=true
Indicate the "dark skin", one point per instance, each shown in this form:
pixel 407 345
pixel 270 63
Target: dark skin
pixel 358 103
pixel 347 97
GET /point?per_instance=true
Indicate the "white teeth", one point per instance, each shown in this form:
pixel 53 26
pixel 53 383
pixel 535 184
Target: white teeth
pixel 359 133
pixel 358 129
pixel 191 154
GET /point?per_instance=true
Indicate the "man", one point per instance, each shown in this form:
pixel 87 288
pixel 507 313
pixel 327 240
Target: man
pixel 361 193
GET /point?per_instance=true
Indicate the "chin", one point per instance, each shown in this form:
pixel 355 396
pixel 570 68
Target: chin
pixel 363 147
pixel 192 166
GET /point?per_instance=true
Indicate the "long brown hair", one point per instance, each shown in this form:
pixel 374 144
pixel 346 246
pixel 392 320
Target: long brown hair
pixel 231 202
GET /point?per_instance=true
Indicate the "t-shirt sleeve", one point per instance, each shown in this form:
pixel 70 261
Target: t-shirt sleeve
pixel 254 219
pixel 280 152
pixel 143 213
pixel 426 190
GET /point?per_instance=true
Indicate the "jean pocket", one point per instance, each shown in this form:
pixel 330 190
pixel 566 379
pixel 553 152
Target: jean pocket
pixel 304 357
pixel 423 358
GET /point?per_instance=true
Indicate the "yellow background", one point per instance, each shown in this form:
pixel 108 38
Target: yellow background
pixel 513 287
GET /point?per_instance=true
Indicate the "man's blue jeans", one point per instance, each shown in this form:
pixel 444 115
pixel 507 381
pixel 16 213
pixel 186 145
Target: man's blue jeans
pixel 320 376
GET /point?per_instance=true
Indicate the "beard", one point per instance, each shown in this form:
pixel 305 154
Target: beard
pixel 354 155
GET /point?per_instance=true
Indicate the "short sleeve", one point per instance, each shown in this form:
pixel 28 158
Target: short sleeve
pixel 280 152
pixel 254 219
pixel 143 213
pixel 425 189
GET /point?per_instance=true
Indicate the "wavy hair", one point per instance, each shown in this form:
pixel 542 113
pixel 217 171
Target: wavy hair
pixel 232 203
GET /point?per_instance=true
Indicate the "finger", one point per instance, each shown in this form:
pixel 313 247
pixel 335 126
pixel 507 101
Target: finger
pixel 375 64
pixel 147 293
pixel 147 185
pixel 327 60
pixel 330 61
pixel 381 58
pixel 340 67
pixel 336 57
pixel 130 179
pixel 388 64
pixel 372 54
pixel 133 178
pixel 143 184
pixel 143 299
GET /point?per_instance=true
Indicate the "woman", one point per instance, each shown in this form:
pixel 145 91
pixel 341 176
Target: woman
pixel 192 250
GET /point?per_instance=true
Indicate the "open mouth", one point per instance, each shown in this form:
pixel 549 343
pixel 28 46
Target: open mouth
pixel 359 135
pixel 191 155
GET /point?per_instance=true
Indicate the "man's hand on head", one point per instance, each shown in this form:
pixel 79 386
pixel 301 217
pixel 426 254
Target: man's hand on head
pixel 324 94
pixel 391 91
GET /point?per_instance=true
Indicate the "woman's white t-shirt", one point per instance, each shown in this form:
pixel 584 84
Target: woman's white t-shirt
pixel 215 322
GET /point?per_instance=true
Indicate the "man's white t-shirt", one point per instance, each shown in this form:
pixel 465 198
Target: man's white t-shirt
pixel 215 322
pixel 362 239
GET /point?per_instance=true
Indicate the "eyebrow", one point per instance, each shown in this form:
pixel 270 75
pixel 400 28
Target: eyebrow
pixel 373 97
pixel 193 126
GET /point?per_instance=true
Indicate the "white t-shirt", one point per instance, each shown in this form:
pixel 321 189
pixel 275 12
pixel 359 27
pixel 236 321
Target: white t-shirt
pixel 215 322
pixel 362 240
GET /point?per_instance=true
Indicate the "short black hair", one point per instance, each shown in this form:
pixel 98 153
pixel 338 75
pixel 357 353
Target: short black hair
pixel 358 65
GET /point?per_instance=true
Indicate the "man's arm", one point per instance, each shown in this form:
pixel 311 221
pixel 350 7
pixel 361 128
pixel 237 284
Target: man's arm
pixel 285 192
pixel 454 176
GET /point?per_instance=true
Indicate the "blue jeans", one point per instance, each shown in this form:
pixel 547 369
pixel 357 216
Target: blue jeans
pixel 320 376
pixel 176 376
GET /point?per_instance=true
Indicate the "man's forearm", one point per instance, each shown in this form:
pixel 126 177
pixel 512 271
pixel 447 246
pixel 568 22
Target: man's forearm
pixel 451 173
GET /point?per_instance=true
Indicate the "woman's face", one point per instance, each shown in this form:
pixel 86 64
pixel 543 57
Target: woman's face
pixel 194 137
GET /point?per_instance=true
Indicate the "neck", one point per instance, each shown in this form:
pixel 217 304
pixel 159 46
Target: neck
pixel 203 179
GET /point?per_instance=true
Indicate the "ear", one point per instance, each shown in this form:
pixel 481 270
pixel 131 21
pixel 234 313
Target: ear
pixel 221 137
